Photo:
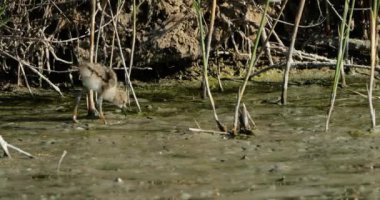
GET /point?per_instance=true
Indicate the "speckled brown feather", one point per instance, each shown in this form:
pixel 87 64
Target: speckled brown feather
pixel 107 75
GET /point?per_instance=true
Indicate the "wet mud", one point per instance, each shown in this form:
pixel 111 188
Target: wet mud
pixel 153 155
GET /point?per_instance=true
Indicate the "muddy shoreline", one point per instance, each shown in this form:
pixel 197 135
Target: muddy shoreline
pixel 152 155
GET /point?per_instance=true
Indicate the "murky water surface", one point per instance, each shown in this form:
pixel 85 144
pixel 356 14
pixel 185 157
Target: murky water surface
pixel 152 155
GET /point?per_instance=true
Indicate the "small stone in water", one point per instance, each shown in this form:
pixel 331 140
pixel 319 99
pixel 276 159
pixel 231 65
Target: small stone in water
pixel 185 196
pixel 243 157
pixel 80 128
pixel 118 180
pixel 149 107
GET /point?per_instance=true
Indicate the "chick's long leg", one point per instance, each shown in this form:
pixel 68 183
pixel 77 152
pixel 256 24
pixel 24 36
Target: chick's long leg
pixel 77 102
pixel 101 115
pixel 92 111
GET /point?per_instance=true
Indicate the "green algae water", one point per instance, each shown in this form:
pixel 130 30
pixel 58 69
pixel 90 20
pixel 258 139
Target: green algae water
pixel 153 155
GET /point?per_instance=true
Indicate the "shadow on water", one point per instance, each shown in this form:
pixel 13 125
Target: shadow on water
pixel 23 118
pixel 152 155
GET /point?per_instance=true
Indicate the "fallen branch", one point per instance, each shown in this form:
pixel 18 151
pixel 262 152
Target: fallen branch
pixel 299 54
pixel 4 145
pixel 198 130
pixel 311 65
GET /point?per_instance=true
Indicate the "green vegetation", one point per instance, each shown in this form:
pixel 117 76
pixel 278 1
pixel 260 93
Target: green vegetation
pixel 191 40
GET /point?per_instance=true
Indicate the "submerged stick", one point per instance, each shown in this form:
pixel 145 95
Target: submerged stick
pixel 249 116
pixel 198 130
pixel 5 146
pixel 60 160
pixel 20 151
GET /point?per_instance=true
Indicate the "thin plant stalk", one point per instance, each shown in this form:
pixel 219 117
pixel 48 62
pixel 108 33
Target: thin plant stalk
pixel 100 30
pixel 205 54
pixel 343 75
pixel 26 79
pixel 209 39
pixel 208 49
pixel 261 52
pixel 343 38
pixel 112 49
pixel 251 64
pixel 328 20
pixel 211 29
pixel 19 76
pixel 134 11
pixel 284 94
pixel 374 41
pixel 218 76
pixel 113 41
pixel 267 47
pixel 92 31
pixel 90 95
pixel 128 80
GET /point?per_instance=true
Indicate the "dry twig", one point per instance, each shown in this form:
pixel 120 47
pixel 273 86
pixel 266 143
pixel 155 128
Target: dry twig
pixel 31 67
pixel 208 131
